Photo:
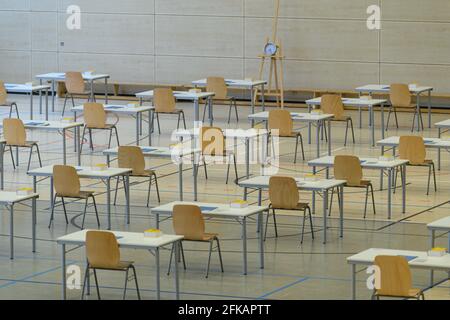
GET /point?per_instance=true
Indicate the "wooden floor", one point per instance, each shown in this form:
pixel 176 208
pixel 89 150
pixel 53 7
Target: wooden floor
pixel 293 271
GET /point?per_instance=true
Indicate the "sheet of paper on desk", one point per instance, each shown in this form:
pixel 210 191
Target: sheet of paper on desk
pixel 36 123
pixel 207 209
pixel 115 107
pixel 409 258
pixel 148 149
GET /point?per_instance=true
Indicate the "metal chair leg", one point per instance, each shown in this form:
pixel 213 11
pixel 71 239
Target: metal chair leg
pixel 429 178
pixel 311 220
pixel 204 111
pixel 65 103
pixel 170 261
pixel 84 281
pixel 82 138
pixel 91 143
pixel 346 134
pixel 220 254
pixel 136 282
pixel 353 131
pixel 236 111
pixel 12 157
pixel 96 211
pixel 184 119
pixel 367 198
pixel 117 136
pixel 65 211
pixel 116 190
pixel 183 258
pixel 96 284
pixel 303 226
pixel 52 215
pixel 296 149
pixel 209 258
pixel 126 284
pixel 229 111
pixel 235 168
pixel 178 123
pixel 434 178
pixel 159 125
pixel 110 138
pixel 373 200
pixel 39 155
pixel 275 223
pixel 303 149
pixel 84 214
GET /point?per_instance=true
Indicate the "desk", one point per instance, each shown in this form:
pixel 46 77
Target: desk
pixel 367 258
pixel 126 240
pixel 88 173
pixel 54 77
pixel 9 199
pixel 374 164
pixel 430 143
pixel 308 118
pixel 324 186
pixel 186 95
pixel 441 225
pixel 241 84
pixel 235 134
pixel 175 154
pixel 224 211
pixel 359 103
pixel 31 89
pixel 136 112
pixel 417 91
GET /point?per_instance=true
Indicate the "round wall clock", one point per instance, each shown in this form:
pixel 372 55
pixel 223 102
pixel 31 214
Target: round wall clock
pixel 270 49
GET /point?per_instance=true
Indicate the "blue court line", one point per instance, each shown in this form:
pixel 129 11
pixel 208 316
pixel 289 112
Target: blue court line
pixel 282 288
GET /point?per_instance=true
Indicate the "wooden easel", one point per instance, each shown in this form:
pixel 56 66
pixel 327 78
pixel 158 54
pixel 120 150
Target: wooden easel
pixel 275 80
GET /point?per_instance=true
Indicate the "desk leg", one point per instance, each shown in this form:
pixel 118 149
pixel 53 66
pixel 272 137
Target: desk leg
pixel 11 232
pixel 404 189
pixel 329 137
pixel 261 239
pixel 150 129
pixel 53 95
pixel 247 157
pixel 263 97
pixel 33 226
pixel 245 194
pixel 180 179
pixel 2 169
pixel 418 112
pixel 137 129
pixel 52 198
pixel 372 125
pixel 309 125
pixel 127 195
pixel 432 244
pixel 318 138
pixel 389 194
pixel 64 147
pixel 106 90
pixel 195 168
pixel 382 120
pixel 244 243
pixel 46 104
pixel 157 221
pixel 211 113
pixel 158 275
pixel 40 102
pixel 31 105
pixel 63 271
pixel 252 99
pixel 439 149
pixel 353 282
pixel 325 214
pixel 360 117
pixel 78 140
pixel 34 184
pixel 175 268
pixel 196 111
pixel 429 109
pixel 108 201
pixel 341 210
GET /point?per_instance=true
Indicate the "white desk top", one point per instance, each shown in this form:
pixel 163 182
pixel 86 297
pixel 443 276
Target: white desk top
pixel 125 239
pixel 228 133
pixel 351 102
pixel 161 152
pixel 212 209
pixel 263 183
pixel 422 260
pixel 366 163
pixel 49 125
pixel 234 83
pixel 429 142
pixel 441 224
pixel 83 172
pixel 118 108
pixel 24 88
pixel 184 95
pixel 296 116
pixel 9 197
pixel 384 88
pixel 443 124
pixel 62 76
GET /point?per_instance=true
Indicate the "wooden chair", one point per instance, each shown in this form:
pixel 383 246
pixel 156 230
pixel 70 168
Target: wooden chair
pixel 75 86
pixel 220 88
pixel 165 103
pixel 103 253
pixel 5 103
pixel 95 119
pixel 349 168
pixel 396 279
pixel 400 97
pixel 412 148
pixel 213 145
pixel 188 221
pixel 281 125
pixel 67 185
pixel 284 195
pixel 16 137
pixel 133 158
pixel 332 104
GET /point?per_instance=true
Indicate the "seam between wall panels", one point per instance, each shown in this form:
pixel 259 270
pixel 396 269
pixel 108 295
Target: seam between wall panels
pixel 154 42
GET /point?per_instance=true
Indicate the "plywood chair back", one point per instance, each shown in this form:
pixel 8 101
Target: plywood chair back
pixel 283 193
pixel 66 181
pixel 412 148
pixel 102 250
pixel 281 120
pixel 400 95
pixel 212 141
pixel 348 168
pixel 133 158
pixel 74 82
pixel 3 94
pixel 218 86
pixel 94 115
pixel 164 100
pixel 332 104
pixel 14 132
pixel 396 279
pixel 188 222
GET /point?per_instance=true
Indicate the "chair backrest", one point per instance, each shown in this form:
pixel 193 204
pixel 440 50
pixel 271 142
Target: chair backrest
pixel 218 86
pixel 400 95
pixel 164 100
pixel 281 120
pixel 396 279
pixel 412 148
pixel 348 168
pixel 94 115
pixel 14 132
pixel 188 222
pixel 66 181
pixel 102 249
pixel 212 141
pixel 3 94
pixel 131 157
pixel 283 193
pixel 74 82
pixel 332 104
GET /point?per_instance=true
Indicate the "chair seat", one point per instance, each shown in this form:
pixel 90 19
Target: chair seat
pixel 7 104
pixel 209 236
pixel 425 163
pixel 86 92
pixel 294 134
pixel 82 195
pixel 176 111
pixel 363 184
pixel 27 144
pixel 145 173
pixel 106 127
pixel 300 206
pixel 123 266
pixel 413 293
pixel 342 119
pixel 224 99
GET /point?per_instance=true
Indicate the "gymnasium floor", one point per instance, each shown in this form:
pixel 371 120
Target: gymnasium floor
pixel 292 271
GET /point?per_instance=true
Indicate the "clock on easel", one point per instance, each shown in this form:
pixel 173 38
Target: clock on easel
pixel 273 55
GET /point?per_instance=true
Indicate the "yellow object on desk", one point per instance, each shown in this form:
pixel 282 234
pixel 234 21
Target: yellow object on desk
pixel 24 191
pixel 153 233
pixel 238 204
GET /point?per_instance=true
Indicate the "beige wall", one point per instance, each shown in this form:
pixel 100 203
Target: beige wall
pixel 326 42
